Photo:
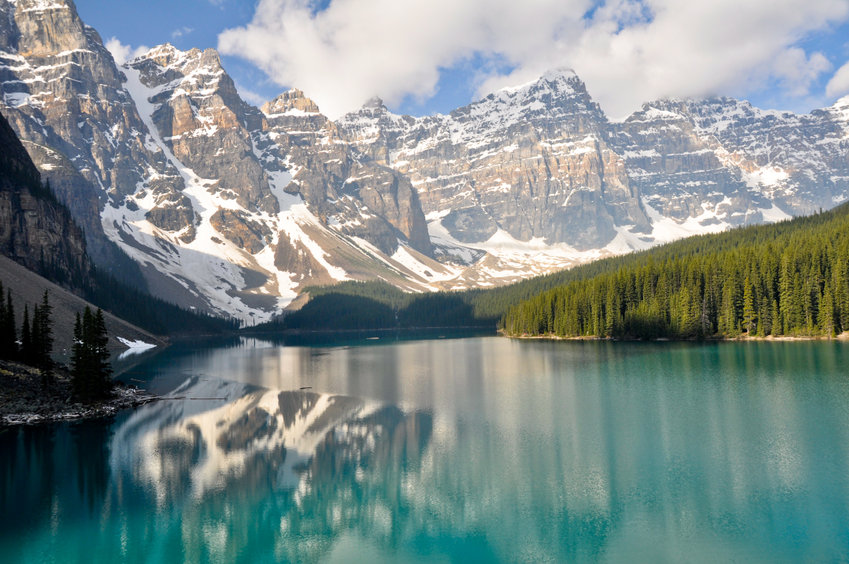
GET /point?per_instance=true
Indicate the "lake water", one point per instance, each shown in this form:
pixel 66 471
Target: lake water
pixel 448 450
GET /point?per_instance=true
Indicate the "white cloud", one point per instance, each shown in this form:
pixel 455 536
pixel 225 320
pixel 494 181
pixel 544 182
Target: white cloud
pixel 123 53
pixel 181 31
pixel 250 96
pixel 839 83
pixel 627 51
pixel 797 71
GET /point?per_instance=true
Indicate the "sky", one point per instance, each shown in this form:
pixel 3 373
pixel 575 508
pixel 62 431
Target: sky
pixel 429 56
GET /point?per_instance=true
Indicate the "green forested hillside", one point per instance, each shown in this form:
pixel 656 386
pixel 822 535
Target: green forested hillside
pixel 790 278
pixel 377 305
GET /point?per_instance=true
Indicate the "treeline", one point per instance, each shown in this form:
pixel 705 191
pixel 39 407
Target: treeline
pixel 91 370
pixel 788 279
pixel 378 305
pixel 150 313
pixel 36 337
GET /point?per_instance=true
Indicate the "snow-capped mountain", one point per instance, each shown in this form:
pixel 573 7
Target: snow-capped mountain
pixel 531 161
pixel 722 162
pixel 223 208
pixel 234 209
pixel 541 166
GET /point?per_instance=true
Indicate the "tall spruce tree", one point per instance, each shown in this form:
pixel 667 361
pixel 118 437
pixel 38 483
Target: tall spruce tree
pixel 8 334
pixel 45 338
pixel 26 338
pixel 90 369
pixel 101 365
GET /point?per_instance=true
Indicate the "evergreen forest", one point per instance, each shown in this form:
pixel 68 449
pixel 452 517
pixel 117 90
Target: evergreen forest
pixel 785 279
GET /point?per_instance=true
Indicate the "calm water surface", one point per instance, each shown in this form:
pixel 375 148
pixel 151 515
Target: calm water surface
pixel 464 450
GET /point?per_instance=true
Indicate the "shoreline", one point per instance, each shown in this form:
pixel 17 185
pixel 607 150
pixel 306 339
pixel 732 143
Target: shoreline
pixel 22 402
pixel 386 330
pixel 740 339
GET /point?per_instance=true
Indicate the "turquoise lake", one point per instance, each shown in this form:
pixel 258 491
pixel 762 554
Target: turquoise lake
pixel 448 450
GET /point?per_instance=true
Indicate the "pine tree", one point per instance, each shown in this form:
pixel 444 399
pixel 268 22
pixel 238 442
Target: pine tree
pixel 8 334
pixel 101 365
pixel 826 313
pixel 749 313
pixel 26 354
pixel 90 369
pixel 45 340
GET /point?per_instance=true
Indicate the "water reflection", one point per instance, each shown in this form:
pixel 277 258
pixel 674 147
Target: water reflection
pixel 211 479
pixel 482 449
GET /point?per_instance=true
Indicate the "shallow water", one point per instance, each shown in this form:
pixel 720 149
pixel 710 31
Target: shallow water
pixel 481 449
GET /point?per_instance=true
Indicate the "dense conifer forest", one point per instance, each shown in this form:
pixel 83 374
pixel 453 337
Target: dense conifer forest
pixel 786 279
pixel 148 312
pixel 377 305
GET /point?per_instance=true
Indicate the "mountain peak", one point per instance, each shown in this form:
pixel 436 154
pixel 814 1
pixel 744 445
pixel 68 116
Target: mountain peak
pixel 292 101
pixel 163 55
pixel 374 103
pixel 166 55
pixel 41 5
pixel 558 92
pixel 44 35
pixel 559 78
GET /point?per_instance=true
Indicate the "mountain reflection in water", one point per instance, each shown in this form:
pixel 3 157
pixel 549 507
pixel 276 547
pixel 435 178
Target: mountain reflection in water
pixel 249 473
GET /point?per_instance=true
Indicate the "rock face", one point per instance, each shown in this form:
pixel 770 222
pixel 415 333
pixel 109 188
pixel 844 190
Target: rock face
pixel 723 161
pixel 541 163
pixel 358 196
pixel 63 95
pixel 533 161
pixel 233 209
pixel 35 230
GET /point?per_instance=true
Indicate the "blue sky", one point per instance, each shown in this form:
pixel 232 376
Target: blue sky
pixel 427 56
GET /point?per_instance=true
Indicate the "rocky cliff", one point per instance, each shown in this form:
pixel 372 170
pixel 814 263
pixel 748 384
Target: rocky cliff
pixel 64 97
pixel 533 161
pixel 723 162
pixel 533 169
pixel 36 230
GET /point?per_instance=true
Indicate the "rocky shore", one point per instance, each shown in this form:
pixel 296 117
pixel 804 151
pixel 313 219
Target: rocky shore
pixel 22 400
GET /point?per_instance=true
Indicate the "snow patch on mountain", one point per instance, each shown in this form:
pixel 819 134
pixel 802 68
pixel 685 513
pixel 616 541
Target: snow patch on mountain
pixel 666 229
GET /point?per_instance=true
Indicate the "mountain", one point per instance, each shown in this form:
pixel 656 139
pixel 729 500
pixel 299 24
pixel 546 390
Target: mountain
pixel 723 162
pixel 40 244
pixel 221 207
pixel 529 162
pixel 211 203
pixel 63 96
pixel 541 167
pixel 42 248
